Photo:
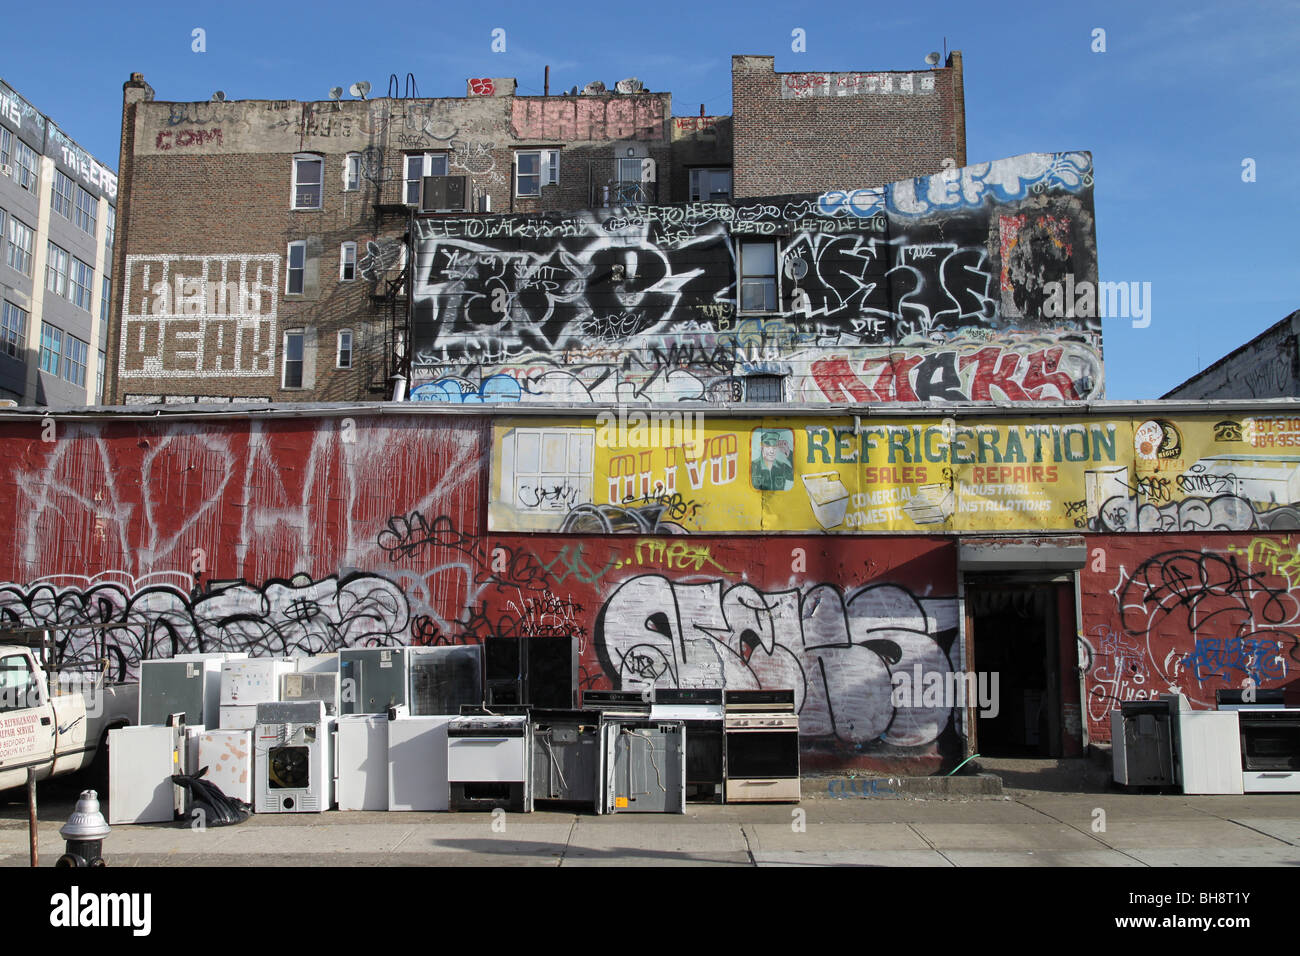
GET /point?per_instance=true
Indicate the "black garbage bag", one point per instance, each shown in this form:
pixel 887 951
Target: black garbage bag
pixel 217 809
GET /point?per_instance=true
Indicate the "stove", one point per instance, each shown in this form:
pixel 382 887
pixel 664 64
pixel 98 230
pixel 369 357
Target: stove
pixel 1270 750
pixel 761 746
pixel 645 766
pixel 568 764
pixel 617 703
pixel 700 709
pixel 489 759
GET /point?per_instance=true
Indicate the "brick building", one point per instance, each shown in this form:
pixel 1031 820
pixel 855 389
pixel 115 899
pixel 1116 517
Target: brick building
pixel 265 242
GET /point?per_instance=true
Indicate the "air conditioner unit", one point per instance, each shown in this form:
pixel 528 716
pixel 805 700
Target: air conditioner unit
pixel 6 169
pixel 443 194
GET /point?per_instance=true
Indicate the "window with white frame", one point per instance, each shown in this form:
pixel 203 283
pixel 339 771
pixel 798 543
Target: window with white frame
pixel 25 165
pixel 75 353
pixel 419 165
pixel 352 172
pixel 82 280
pixel 56 269
pixel 61 195
pixel 19 251
pixel 99 376
pixel 347 262
pixel 757 277
pixel 293 358
pixel 105 299
pixel 550 470
pixel 710 185
pixel 296 273
pixel 110 227
pixel 13 330
pixel 6 144
pixel 51 348
pixel 308 181
pixel 87 211
pixel 535 168
pixel 344 352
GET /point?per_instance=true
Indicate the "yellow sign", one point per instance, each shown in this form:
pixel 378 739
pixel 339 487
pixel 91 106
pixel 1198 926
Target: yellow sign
pixel 655 473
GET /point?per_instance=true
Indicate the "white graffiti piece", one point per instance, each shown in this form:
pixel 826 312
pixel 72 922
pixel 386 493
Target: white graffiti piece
pixel 838 655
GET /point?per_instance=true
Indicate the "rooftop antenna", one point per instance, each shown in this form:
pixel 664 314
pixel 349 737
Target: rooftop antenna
pixel 392 86
pixel 219 96
pixel 412 91
pixel 359 89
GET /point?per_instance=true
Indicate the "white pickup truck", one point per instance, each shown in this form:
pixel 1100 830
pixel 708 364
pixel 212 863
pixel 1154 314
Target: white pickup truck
pixel 55 720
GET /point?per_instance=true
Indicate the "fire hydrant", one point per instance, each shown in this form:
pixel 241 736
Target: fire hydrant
pixel 84 833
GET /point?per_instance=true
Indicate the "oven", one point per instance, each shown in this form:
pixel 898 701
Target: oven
pixel 1270 750
pixel 761 731
pixel 489 760
pixel 700 711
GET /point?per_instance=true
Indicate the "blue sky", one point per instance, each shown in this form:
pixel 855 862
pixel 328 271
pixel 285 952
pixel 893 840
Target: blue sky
pixel 1181 96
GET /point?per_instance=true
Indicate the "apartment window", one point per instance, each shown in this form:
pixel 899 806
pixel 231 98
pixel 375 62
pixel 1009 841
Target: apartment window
pixel 86 211
pixel 345 350
pixel 51 348
pixel 758 277
pixel 710 185
pixel 110 227
pixel 99 376
pixel 105 299
pixel 293 352
pixel 56 270
pixel 13 330
pixel 61 195
pixel 537 168
pixel 297 268
pixel 308 177
pixel 75 353
pixel 83 276
pixel 24 165
pixel 6 144
pixel 347 261
pixel 352 172
pixel 417 167
pixel 19 253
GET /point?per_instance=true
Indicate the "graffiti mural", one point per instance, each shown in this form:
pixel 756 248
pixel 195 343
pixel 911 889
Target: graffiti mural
pixel 931 289
pixel 1169 615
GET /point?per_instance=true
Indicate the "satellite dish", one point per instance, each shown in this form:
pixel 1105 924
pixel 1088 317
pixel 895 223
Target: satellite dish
pixel 796 268
pixel 219 97
pixel 932 59
pixel 359 89
pixel 336 92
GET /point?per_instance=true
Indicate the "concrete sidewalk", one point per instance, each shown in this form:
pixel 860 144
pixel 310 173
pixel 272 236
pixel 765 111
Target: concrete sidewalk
pixel 1017 828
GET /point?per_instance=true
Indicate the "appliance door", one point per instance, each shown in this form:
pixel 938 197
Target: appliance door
pixel 704 760
pixel 141 761
pixel 649 770
pixel 444 678
pixel 1209 751
pixel 378 679
pixel 566 763
pixel 1270 743
pixel 417 763
pixel 172 687
pixel 762 765
pixel 228 755
pixel 494 757
pixel 362 772
pixel 551 672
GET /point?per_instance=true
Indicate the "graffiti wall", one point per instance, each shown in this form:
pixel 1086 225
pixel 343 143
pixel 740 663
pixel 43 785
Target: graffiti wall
pixel 934 289
pixel 690 472
pixel 1187 614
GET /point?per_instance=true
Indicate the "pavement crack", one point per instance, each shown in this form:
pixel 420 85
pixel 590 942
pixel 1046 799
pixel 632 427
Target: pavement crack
pixel 567 840
pixel 748 850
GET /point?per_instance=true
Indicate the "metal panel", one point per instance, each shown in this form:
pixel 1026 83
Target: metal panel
pixel 141 761
pixel 373 679
pixel 361 772
pixel 417 763
pixel 645 767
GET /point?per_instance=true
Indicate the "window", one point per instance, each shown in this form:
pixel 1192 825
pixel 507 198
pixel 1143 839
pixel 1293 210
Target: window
pixel 352 172
pixel 13 330
pixel 757 277
pixel 110 227
pixel 344 350
pixel 20 688
pixel 83 276
pixel 308 177
pixel 75 353
pixel 6 144
pixel 105 299
pixel 61 195
pixel 25 165
pixel 347 261
pixel 537 168
pixel 51 348
pixel 421 165
pixel 87 211
pixel 56 270
pixel 710 185
pixel 99 376
pixel 293 352
pixel 763 388
pixel 297 268
pixel 19 253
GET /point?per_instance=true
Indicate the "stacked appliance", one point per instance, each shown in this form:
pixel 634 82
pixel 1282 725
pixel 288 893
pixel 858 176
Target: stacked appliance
pixel 700 710
pixel 188 684
pixel 373 679
pixel 568 761
pixel 761 746
pixel 489 759
pixel 322 685
pixel 247 683
pixel 293 750
pixel 534 671
pixel 443 679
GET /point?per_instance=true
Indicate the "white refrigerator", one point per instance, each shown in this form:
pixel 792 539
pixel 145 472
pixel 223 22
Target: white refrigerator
pixel 361 777
pixel 417 763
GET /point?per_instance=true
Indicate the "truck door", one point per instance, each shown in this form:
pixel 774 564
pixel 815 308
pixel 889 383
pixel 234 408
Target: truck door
pixel 27 728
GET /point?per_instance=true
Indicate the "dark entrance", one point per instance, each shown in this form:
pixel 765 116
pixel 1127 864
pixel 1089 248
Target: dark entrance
pixel 1015 630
